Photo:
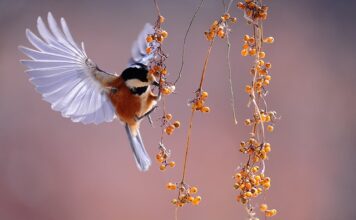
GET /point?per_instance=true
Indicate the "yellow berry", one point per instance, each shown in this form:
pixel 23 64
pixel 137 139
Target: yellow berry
pixel 233 20
pixel 162 167
pixel 164 34
pixel 205 109
pixel 269 40
pixel 247 122
pixel 204 95
pixel 246 37
pixel 266 82
pixel 270 128
pixel 172 164
pixel 270 213
pixel 166 91
pixel 159 158
pixel 248 194
pixel 174 201
pixel 161 19
pixel 193 190
pixel 261 54
pixel 196 200
pixel 268 77
pixel 267 147
pixel 263 207
pixel 168 116
pixel 164 71
pixel 255 169
pixel 171 186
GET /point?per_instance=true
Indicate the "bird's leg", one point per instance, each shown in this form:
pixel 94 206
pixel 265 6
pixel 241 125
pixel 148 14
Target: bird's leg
pixel 147 114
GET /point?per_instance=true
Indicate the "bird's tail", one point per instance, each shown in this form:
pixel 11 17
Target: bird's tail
pixel 142 159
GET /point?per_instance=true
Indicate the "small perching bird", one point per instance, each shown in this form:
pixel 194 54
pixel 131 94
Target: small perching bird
pixel 75 86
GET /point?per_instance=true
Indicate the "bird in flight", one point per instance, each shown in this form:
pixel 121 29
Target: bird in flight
pixel 75 86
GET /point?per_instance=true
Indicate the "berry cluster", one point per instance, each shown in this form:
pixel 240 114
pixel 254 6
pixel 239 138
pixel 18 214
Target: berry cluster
pixel 185 194
pixel 253 9
pixel 198 103
pixel 220 27
pixel 163 158
pixel 250 180
pixel 169 126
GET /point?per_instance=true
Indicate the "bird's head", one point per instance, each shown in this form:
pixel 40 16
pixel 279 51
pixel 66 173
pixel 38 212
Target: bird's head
pixel 138 76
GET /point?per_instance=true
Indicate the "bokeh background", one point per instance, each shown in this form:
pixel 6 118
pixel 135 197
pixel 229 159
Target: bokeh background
pixel 53 169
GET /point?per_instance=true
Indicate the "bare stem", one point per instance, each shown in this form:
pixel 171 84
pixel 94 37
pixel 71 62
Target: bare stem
pixel 230 78
pixel 185 39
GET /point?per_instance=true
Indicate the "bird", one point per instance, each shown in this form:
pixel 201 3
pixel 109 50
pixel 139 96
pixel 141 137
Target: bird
pixel 74 85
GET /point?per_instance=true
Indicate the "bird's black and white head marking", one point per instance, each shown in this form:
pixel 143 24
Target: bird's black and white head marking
pixel 136 78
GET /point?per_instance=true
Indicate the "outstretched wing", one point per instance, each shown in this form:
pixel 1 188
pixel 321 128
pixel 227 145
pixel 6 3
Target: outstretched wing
pixel 65 76
pixel 138 50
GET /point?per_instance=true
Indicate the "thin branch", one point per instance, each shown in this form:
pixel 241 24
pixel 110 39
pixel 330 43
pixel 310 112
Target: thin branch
pixel 185 39
pixel 230 78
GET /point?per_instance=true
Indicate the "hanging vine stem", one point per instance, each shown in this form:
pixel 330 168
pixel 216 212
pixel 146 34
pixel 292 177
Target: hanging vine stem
pixel 193 110
pixel 250 180
pixel 185 40
pixel 158 68
pixel 218 28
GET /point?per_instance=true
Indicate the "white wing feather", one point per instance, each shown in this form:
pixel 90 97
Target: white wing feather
pixel 138 50
pixel 63 74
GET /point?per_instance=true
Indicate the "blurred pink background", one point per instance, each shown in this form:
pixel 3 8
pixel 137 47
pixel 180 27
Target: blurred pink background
pixel 53 169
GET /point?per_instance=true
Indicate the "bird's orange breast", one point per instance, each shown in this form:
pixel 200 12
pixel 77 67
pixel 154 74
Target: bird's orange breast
pixel 127 105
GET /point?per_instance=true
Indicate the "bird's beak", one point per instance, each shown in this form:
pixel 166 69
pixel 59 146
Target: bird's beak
pixel 155 83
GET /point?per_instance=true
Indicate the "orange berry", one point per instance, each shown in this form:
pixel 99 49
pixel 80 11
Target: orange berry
pixel 263 207
pixel 233 20
pixel 162 167
pixel 244 52
pixel 221 33
pixel 266 82
pixel 171 186
pixel 164 71
pixel 270 128
pixel 205 109
pixel 176 124
pixel 172 164
pixel 241 5
pixel 149 39
pixel 267 147
pixel 193 190
pixel 168 116
pixel 268 77
pixel 226 16
pixel 161 19
pixel 196 200
pixel 148 50
pixel 268 40
pixel 164 34
pixel 166 91
pixel 252 52
pixel 204 95
pixel 261 54
pixel 248 89
pixel 246 37
pixel 268 65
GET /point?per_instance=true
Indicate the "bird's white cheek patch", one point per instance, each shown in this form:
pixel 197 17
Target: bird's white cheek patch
pixel 131 83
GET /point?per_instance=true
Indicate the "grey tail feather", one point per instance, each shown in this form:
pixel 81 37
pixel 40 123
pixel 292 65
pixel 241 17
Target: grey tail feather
pixel 142 158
